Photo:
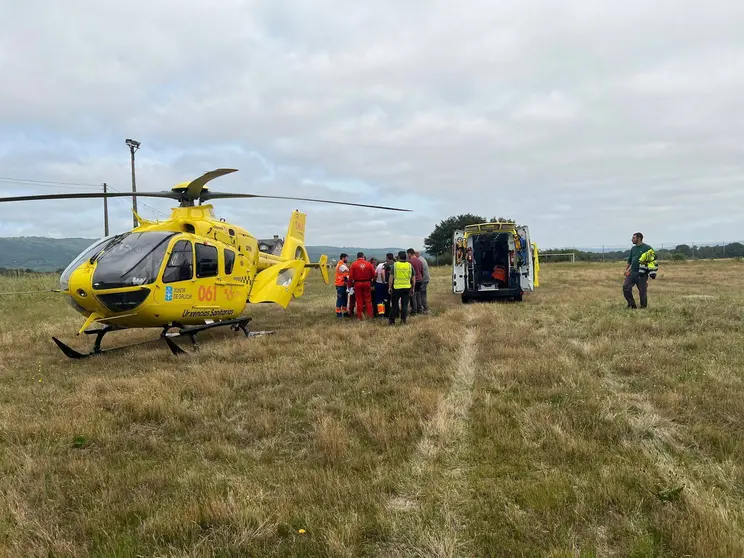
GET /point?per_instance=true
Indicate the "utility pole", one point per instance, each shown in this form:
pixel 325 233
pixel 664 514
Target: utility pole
pixel 133 146
pixel 105 212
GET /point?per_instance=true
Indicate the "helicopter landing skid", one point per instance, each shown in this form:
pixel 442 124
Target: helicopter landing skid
pixel 239 324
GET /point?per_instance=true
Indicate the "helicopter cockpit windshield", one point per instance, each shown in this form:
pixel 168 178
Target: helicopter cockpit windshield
pixel 132 260
pixel 89 252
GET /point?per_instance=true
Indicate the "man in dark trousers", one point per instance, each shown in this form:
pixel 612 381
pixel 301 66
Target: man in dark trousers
pixel 418 270
pixel 382 299
pixel 389 261
pixel 633 275
pixel 342 280
pixel 373 289
pixel 400 286
pixel 361 275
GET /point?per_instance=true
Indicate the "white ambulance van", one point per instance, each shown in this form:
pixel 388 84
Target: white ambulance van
pixel 494 261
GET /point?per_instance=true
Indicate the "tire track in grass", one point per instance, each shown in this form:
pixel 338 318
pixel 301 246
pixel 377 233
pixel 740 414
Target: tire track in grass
pixel 424 518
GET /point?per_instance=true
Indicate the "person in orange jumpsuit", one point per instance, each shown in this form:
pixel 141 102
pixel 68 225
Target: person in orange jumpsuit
pixel 342 280
pixel 361 275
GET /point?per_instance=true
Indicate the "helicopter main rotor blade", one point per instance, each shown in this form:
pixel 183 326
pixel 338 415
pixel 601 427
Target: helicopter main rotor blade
pixel 220 195
pixel 85 195
pixel 193 190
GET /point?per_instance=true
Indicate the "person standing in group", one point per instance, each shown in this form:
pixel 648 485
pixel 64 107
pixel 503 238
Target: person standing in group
pixel 381 288
pixel 641 261
pixel 418 269
pixel 424 283
pixel 401 286
pixel 342 284
pixel 373 293
pixel 361 275
pixel 388 273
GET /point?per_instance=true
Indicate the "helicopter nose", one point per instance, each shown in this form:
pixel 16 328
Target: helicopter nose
pixel 79 290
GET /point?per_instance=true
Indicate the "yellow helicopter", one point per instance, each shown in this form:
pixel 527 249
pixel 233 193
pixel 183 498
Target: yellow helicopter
pixel 192 272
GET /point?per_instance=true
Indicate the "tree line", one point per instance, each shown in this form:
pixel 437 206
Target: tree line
pixel 681 252
pixel 438 245
pixel 6 271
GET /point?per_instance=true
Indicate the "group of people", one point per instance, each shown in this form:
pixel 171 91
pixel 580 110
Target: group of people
pixel 395 285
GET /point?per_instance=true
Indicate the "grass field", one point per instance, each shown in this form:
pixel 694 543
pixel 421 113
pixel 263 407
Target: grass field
pixel 561 426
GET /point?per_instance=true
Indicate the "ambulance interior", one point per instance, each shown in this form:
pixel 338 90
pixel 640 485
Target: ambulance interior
pixel 491 255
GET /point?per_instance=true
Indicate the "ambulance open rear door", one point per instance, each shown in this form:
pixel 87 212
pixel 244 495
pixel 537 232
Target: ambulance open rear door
pixel 458 262
pixel 526 269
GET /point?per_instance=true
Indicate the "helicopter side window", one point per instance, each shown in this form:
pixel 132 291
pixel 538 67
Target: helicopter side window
pixel 206 261
pixel 229 262
pixel 181 263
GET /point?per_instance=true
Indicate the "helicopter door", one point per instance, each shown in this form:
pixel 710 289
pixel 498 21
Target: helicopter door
pixel 233 282
pixel 206 293
pixel 458 262
pixel 524 254
pixel 178 276
pixel 180 266
pixel 277 283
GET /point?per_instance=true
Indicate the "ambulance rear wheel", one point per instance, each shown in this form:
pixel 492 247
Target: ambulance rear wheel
pixel 518 298
pixel 465 299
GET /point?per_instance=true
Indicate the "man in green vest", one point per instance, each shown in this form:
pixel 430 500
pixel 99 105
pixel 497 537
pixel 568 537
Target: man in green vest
pixel 400 286
pixel 634 275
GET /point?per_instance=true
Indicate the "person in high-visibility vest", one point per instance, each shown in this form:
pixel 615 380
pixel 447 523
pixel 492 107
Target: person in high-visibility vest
pixel 401 285
pixel 342 284
pixel 648 264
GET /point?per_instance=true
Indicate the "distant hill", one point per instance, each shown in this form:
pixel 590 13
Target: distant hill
pixel 39 253
pixel 50 254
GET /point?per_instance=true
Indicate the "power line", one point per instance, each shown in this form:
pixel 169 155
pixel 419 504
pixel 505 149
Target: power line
pixel 144 204
pixel 50 182
pixel 38 185
pixel 10 179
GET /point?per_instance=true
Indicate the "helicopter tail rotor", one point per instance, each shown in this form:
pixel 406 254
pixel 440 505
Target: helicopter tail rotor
pixel 322 265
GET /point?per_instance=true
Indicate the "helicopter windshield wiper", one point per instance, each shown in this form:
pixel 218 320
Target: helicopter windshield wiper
pixel 111 243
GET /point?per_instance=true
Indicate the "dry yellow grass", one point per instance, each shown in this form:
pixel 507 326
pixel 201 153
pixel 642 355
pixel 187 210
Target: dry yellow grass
pixel 561 426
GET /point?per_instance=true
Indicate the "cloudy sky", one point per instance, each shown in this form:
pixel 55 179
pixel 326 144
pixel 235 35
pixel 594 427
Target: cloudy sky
pixel 586 120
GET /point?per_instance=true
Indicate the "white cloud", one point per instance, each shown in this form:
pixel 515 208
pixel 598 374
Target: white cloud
pixel 577 118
